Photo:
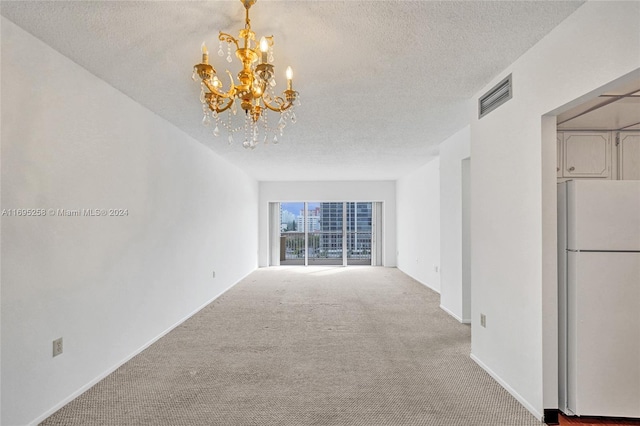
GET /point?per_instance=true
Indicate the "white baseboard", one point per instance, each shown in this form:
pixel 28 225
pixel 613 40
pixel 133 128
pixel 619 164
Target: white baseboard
pixel 414 278
pixel 86 387
pixel 508 388
pixel 460 320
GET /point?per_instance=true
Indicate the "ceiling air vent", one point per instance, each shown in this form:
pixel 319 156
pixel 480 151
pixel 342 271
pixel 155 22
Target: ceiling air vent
pixel 495 97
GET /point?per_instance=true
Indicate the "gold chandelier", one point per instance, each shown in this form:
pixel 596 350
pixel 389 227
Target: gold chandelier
pixel 254 89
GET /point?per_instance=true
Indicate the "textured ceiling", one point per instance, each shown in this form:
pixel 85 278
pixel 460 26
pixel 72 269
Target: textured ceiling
pixel 381 82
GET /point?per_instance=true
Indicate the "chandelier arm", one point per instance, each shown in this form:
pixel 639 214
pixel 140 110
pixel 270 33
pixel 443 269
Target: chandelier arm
pixel 230 94
pixel 228 38
pixel 213 107
pixel 232 89
pixel 282 105
pixel 216 92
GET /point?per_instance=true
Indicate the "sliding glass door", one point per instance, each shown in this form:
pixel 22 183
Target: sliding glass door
pixel 326 233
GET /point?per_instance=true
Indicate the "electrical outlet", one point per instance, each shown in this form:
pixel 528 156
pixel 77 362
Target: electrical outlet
pixel 214 274
pixel 57 347
pixel 483 320
pixel 435 268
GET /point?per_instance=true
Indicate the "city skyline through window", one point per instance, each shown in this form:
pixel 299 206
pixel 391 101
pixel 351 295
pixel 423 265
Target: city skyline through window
pixel 337 233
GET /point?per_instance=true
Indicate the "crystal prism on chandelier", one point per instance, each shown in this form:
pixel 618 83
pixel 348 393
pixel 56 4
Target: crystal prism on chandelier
pixel 254 89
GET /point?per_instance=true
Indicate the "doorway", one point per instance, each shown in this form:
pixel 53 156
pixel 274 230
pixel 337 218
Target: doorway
pixel 593 138
pixel 466 239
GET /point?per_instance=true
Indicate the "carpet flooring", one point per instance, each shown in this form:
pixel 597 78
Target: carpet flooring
pixel 306 346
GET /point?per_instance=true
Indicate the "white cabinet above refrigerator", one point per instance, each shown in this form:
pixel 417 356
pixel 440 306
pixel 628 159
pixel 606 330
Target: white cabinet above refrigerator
pixel 586 154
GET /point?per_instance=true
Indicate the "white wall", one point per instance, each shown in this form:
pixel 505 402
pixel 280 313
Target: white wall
pixel 107 285
pixel 452 151
pixel 326 191
pixel 513 191
pixel 418 208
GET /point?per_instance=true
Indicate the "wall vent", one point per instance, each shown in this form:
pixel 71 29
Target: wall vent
pixel 495 97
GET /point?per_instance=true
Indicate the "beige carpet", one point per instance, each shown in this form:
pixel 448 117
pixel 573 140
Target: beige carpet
pixel 306 346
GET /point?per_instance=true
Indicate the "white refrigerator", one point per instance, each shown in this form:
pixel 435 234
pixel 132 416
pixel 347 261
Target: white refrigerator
pixel 599 297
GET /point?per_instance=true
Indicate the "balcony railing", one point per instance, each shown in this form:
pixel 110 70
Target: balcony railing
pixel 325 245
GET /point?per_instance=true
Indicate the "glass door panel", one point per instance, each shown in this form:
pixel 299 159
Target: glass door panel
pixel 327 239
pixel 359 233
pixel 292 242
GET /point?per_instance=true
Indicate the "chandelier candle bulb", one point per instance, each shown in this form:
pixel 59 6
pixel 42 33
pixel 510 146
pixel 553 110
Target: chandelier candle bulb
pixel 264 47
pixel 289 78
pixel 205 53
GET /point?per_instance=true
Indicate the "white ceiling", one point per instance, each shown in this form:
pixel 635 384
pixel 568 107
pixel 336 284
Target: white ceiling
pixel 381 82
